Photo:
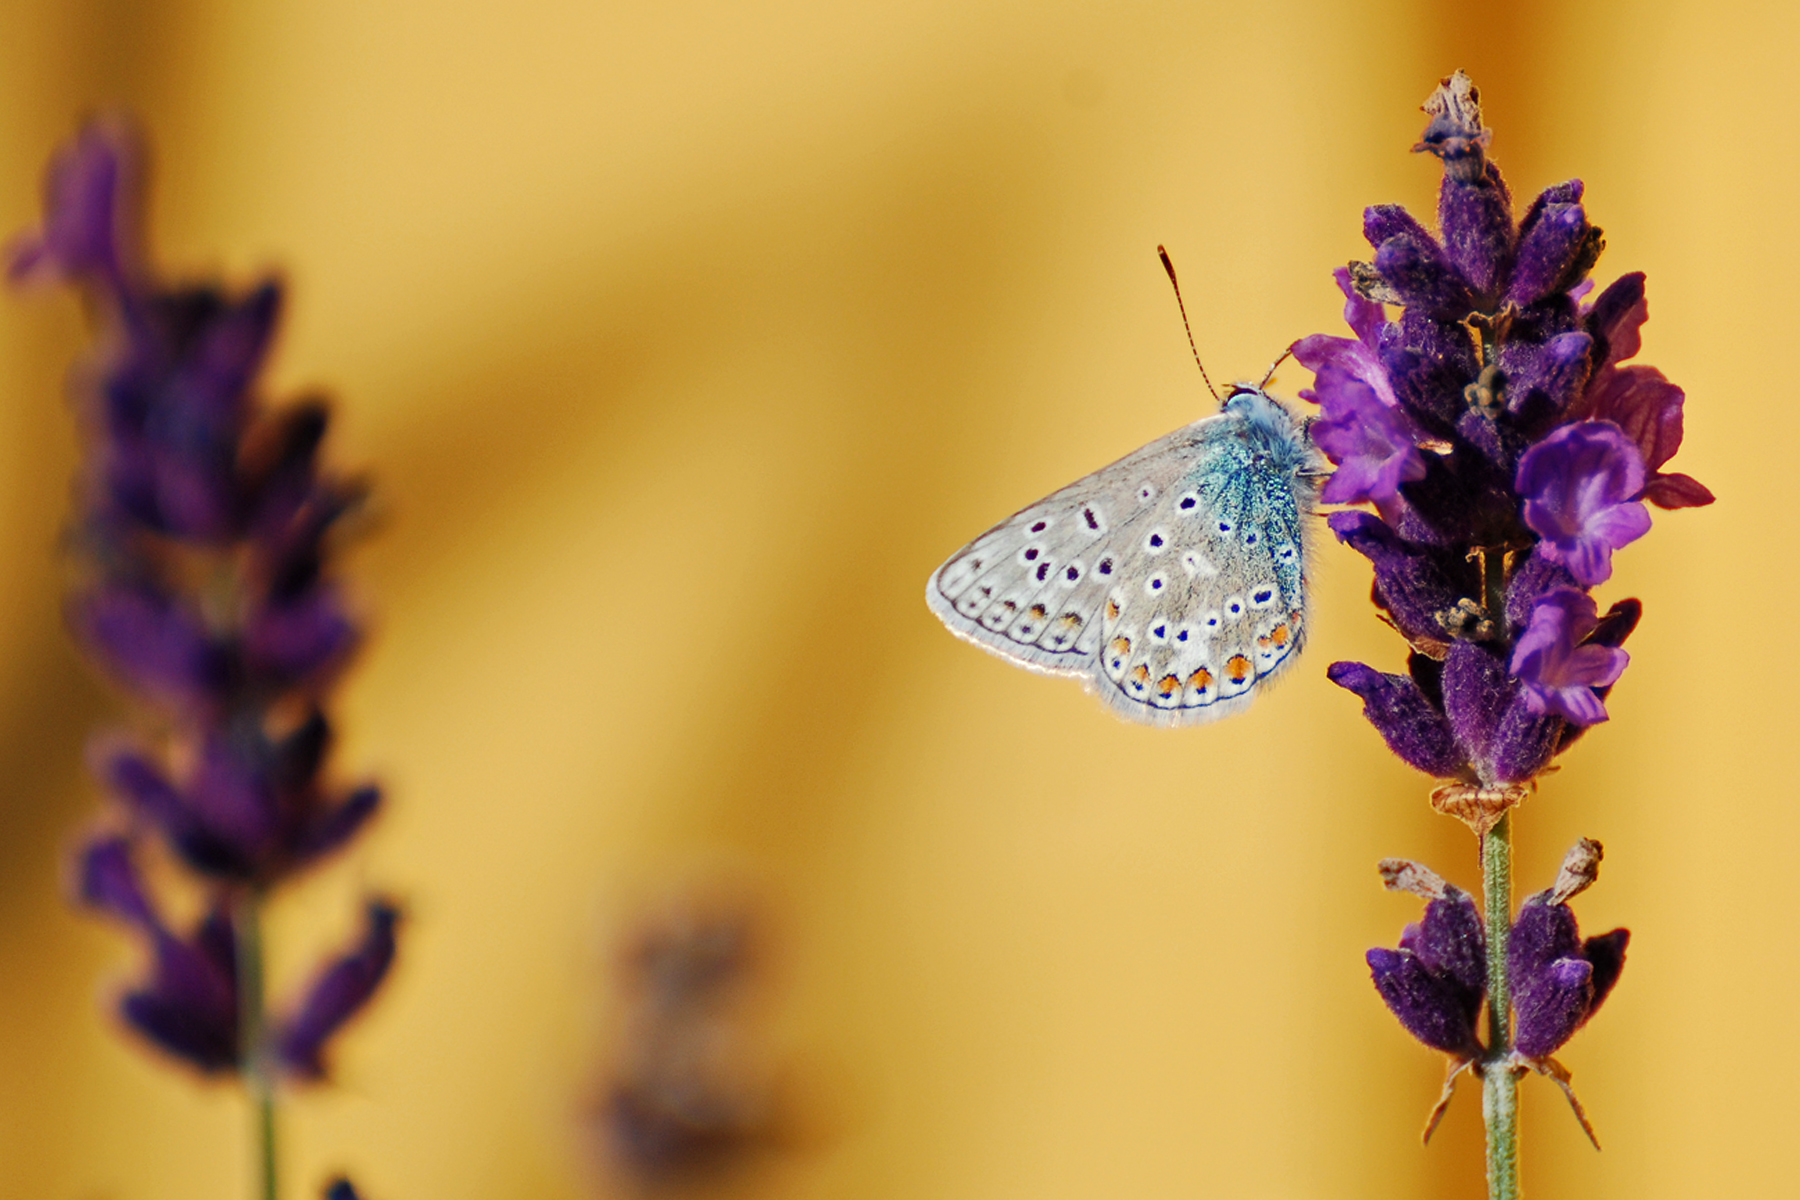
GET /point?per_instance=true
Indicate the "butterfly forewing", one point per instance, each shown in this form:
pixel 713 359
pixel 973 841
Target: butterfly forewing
pixel 1032 588
pixel 1171 581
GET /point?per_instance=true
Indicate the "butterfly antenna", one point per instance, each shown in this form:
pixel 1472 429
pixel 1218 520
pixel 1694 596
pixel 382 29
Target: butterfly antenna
pixel 1170 268
pixel 1285 354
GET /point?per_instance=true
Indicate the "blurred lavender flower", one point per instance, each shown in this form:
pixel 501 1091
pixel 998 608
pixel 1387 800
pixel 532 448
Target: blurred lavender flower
pixel 203 533
pixel 688 1094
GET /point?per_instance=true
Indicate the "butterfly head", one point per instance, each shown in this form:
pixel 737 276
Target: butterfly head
pixel 1273 430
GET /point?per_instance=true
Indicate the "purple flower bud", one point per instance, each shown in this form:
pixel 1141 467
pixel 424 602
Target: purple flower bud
pixel 1418 272
pixel 1435 981
pixel 1556 249
pixel 1557 979
pixel 1544 380
pixel 1476 217
pixel 1417 586
pixel 1406 719
pixel 293 642
pixel 341 989
pixel 1580 487
pixel 341 1189
pixel 1560 671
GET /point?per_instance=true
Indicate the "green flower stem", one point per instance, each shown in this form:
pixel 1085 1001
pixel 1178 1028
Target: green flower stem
pixel 253 1053
pixel 1499 1079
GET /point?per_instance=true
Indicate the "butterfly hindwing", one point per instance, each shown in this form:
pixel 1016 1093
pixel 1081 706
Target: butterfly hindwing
pixel 1217 606
pixel 1171 581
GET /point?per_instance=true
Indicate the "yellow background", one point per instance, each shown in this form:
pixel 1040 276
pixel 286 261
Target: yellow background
pixel 683 341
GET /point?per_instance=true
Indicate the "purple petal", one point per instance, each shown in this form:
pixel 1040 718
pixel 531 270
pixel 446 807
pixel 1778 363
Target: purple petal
pixel 293 640
pixel 1363 315
pixel 1405 718
pixel 1580 486
pixel 1607 954
pixel 338 993
pixel 1449 942
pixel 1544 381
pixel 331 829
pixel 1552 1006
pixel 109 881
pixel 1524 741
pixel 150 642
pixel 1558 671
pixel 190 1006
pixel 141 783
pixel 1676 490
pixel 1616 318
pixel 1371 442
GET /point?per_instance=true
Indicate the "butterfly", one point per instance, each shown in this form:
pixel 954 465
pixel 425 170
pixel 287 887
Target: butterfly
pixel 1172 583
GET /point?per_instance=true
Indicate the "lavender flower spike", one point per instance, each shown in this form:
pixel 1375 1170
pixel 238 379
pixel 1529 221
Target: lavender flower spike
pixel 203 531
pixel 1581 486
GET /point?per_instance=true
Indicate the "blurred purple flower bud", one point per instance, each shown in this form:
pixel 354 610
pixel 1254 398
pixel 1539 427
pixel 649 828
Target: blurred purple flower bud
pixel 189 1007
pixel 341 989
pixel 1580 486
pixel 151 642
pixel 341 1189
pixel 1559 669
pixel 88 210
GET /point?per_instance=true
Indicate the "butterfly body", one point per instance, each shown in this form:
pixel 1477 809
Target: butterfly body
pixel 1172 582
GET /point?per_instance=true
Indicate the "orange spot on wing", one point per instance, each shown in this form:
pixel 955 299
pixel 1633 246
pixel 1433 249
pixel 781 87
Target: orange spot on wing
pixel 1141 673
pixel 1038 611
pixel 1200 680
pixel 1121 646
pixel 1279 635
pixel 1112 610
pixel 1238 668
pixel 1168 685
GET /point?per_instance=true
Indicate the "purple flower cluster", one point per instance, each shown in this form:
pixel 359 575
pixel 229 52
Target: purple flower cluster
pixel 203 534
pixel 1436 981
pixel 1507 452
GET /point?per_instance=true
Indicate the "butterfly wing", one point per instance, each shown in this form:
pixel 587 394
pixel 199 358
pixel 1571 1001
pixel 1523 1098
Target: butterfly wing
pixel 1155 580
pixel 1211 597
